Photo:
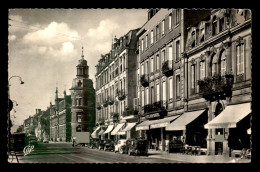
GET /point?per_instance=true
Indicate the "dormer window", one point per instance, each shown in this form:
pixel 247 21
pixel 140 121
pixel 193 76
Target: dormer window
pixel 214 26
pixel 221 25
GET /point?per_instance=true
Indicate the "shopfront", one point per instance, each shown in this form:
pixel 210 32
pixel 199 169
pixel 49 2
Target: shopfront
pixel 188 128
pixel 116 130
pixel 107 133
pixel 229 129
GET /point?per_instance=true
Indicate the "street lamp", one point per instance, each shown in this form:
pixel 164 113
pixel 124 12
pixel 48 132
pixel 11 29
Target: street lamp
pixel 9 101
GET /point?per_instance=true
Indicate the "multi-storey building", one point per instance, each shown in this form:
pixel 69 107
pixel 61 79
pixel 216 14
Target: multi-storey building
pixel 115 89
pixel 217 72
pixel 31 123
pixel 83 100
pixel 160 72
pixel 60 118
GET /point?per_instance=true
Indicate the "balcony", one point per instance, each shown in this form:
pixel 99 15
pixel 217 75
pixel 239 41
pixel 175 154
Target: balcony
pixel 114 116
pixel 105 104
pixel 110 101
pixel 129 112
pixel 167 69
pixel 121 94
pixel 216 87
pixel 98 106
pixel 145 80
pixel 159 106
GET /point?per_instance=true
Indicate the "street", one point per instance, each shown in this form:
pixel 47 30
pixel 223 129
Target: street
pixel 65 153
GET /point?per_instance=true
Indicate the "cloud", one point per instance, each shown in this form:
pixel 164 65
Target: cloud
pixel 54 42
pixel 54 33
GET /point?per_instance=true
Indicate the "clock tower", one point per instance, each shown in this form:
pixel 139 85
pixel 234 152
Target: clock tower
pixel 83 100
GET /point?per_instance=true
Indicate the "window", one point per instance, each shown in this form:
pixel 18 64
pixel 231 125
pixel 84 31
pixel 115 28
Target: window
pixel 152 94
pixel 142 97
pixel 178 84
pixel 170 53
pixel 151 37
pixel 164 90
pixel 202 69
pixel 163 56
pixel 163 23
pixel 177 16
pixel 151 65
pixel 170 89
pixel 240 59
pixel 146 67
pixel 177 50
pixel 214 27
pixel 170 21
pixel 157 33
pixel 192 76
pixel 223 63
pixel 221 25
pixel 157 92
pixel 142 45
pixel 79 117
pixel 157 62
pixel 146 41
pixel 147 96
pixel 214 65
pixel 142 69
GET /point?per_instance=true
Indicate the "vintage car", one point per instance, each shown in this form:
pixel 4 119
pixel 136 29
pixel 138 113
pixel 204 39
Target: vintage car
pixel 119 147
pixel 136 147
pixel 94 143
pixel 107 144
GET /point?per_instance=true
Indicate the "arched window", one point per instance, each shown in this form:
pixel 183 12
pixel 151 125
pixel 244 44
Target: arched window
pixel 214 65
pixel 223 63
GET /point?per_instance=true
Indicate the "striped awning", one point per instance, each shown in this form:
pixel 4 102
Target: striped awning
pixel 117 128
pixel 160 123
pixel 94 134
pixel 109 129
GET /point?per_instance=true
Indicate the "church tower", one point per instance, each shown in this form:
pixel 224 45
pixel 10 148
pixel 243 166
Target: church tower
pixel 83 100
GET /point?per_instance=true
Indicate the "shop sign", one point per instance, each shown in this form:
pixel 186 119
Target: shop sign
pixel 159 125
pixel 142 128
pixel 152 115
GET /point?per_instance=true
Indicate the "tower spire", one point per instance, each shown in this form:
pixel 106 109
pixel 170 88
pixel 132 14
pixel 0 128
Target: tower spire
pixel 82 53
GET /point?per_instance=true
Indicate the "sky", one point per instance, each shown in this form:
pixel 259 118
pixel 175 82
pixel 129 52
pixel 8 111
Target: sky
pixel 44 46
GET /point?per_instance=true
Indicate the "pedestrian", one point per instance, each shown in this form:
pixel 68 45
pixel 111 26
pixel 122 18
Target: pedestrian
pixel 73 141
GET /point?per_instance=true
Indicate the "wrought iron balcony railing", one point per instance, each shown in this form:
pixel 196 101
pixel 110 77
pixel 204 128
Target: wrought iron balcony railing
pixel 144 80
pixel 155 107
pixel 216 86
pixel 167 69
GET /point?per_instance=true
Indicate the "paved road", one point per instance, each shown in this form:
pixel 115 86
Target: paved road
pixel 65 153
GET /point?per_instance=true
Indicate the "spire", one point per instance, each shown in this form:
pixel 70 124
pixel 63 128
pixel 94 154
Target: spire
pixel 56 92
pixel 82 53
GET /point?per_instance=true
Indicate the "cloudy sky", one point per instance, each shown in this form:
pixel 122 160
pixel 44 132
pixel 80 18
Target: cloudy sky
pixel 45 46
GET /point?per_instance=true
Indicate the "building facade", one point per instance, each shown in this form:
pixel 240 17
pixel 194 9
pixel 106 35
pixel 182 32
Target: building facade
pixel 160 72
pixel 83 100
pixel 115 89
pixel 60 118
pixel 218 71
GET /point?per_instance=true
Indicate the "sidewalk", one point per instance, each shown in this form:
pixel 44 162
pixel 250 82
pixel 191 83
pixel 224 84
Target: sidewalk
pixel 196 159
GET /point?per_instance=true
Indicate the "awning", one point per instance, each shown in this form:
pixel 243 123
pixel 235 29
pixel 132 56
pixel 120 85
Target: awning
pixel 109 129
pixel 230 116
pixel 129 126
pixel 117 128
pixel 183 120
pixel 144 125
pixel 101 132
pixel 160 123
pixel 94 134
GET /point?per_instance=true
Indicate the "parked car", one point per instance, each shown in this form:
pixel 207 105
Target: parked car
pixel 109 145
pixel 94 143
pixel 119 147
pixel 101 144
pixel 137 147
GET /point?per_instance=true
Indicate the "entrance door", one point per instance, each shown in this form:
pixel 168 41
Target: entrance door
pixel 219 133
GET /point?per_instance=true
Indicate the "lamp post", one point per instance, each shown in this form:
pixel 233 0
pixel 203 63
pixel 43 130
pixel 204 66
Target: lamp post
pixel 9 118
